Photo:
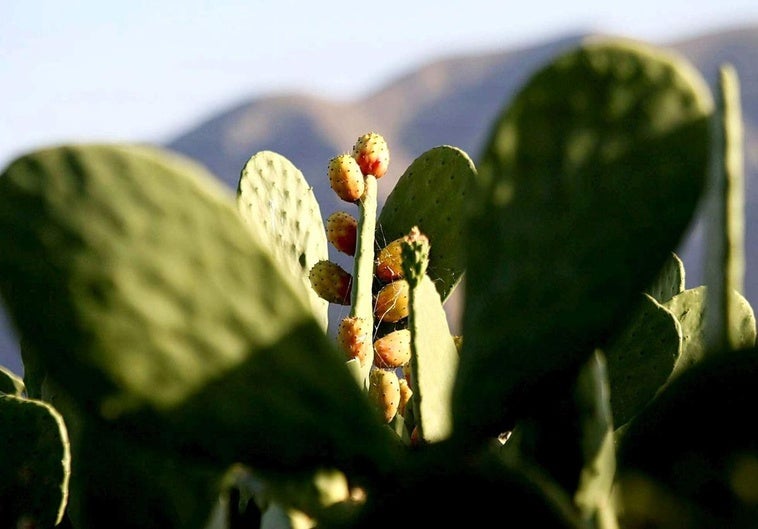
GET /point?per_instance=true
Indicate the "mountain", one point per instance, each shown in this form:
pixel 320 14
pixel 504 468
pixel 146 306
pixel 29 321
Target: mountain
pixel 451 101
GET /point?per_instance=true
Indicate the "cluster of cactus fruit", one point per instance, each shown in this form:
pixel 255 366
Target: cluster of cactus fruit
pixel 180 372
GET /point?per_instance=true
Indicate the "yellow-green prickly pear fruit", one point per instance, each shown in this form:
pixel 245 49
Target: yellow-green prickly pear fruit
pixel 392 301
pixel 393 349
pixel 384 392
pixel 354 336
pixel 346 178
pixel 332 282
pixel 389 262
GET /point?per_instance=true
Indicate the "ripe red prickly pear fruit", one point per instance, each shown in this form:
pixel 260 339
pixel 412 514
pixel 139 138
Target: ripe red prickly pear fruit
pixel 341 231
pixel 372 154
pixel 405 395
pixel 354 336
pixel 393 349
pixel 331 282
pixel 346 178
pixel 384 392
pixel 392 303
pixel 389 261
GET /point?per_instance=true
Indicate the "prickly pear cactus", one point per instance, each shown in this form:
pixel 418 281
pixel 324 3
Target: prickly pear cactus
pixel 539 297
pixel 433 194
pixel 273 192
pixel 35 465
pixel 10 383
pixel 152 304
pixel 641 359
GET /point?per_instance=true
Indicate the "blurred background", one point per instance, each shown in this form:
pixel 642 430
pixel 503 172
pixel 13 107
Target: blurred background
pixel 220 80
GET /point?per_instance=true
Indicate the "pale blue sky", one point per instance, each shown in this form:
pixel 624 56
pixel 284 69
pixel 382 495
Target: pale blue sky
pixel 139 70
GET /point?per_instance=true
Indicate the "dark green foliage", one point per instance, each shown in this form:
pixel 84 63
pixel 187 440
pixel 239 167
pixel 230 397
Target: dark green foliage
pixel 641 358
pixel 690 460
pixel 34 463
pixel 583 192
pixel 174 337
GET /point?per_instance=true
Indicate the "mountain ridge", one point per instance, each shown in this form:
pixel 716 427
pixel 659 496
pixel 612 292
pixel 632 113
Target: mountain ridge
pixel 451 100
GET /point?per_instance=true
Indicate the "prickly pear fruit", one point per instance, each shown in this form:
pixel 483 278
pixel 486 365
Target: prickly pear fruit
pixel 392 301
pixel 372 154
pixel 393 349
pixel 384 392
pixel 353 335
pixel 341 231
pixel 331 282
pixel 389 262
pixel 405 395
pixel 458 342
pixel 346 178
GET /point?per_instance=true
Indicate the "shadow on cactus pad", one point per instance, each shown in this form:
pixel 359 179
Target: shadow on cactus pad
pixel 690 460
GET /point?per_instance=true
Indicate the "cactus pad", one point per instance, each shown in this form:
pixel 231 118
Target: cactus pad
pixel 583 191
pixel 274 193
pixel 641 358
pixel 432 194
pixel 10 383
pixel 35 463
pixel 690 308
pixel 434 361
pixel 150 301
pixel 670 280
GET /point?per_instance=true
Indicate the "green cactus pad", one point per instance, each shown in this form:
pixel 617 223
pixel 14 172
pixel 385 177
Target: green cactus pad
pixel 589 180
pixel 122 484
pixel 274 193
pixel 641 358
pixel 433 194
pixel 35 463
pixel 434 362
pixel 10 383
pixel 571 439
pixel 670 280
pixel 151 303
pixel 689 459
pixel 691 310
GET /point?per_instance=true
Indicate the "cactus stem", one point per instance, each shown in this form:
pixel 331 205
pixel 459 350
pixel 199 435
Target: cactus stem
pixel 363 266
pixel 726 263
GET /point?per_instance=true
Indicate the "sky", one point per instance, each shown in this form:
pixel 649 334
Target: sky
pixel 146 71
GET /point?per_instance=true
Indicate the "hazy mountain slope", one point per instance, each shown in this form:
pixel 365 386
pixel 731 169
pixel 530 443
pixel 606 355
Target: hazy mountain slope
pixel 451 101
